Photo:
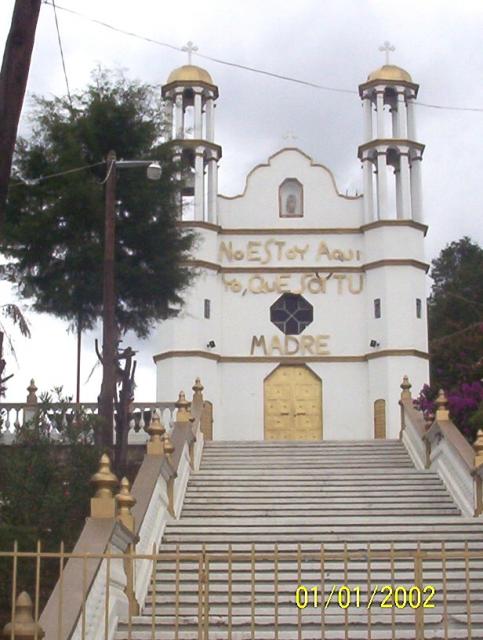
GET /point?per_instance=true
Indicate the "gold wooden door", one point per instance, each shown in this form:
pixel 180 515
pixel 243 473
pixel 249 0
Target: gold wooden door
pixel 293 404
pixel 380 419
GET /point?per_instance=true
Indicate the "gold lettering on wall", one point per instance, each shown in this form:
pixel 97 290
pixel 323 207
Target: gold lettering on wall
pixel 272 250
pixel 296 283
pixel 305 345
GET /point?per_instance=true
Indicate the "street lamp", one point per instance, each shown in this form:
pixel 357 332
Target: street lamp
pixel 106 397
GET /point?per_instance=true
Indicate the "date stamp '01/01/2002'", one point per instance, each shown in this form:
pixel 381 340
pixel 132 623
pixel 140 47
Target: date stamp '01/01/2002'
pixel 385 597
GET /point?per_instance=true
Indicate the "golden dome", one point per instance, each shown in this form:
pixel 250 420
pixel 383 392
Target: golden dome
pixel 190 73
pixel 390 72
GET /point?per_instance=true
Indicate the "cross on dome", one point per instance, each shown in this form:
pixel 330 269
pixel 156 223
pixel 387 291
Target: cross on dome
pixel 386 47
pixel 190 48
pixel 290 136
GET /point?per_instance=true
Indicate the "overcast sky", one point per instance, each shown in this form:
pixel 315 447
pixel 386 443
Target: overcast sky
pixel 330 42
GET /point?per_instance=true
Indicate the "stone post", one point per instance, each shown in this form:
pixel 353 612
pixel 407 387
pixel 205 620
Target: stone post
pixel 478 448
pixel 31 402
pixel 24 627
pixel 103 504
pixel 442 413
pixel 156 430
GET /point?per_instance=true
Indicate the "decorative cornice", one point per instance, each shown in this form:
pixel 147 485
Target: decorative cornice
pixel 389 262
pixel 377 224
pixel 395 262
pixel 312 164
pixel 369 84
pixel 192 143
pixel 384 353
pixel 389 142
pixel 209 226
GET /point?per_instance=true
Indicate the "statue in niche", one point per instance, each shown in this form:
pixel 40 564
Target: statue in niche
pixel 291 199
pixel 291 205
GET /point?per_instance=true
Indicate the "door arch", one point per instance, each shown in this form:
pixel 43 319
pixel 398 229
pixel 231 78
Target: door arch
pixel 292 404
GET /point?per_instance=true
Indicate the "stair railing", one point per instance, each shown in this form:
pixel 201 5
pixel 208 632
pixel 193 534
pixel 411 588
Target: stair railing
pixel 436 443
pixel 15 414
pixel 109 571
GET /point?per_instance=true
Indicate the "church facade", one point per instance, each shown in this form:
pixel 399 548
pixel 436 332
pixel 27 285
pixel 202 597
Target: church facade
pixel 309 305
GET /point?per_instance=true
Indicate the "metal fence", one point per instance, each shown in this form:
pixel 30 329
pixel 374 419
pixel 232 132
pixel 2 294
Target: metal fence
pixel 278 592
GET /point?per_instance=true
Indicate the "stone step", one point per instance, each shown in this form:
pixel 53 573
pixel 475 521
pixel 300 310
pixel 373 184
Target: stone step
pixel 315 486
pixel 310 502
pixel 315 624
pixel 456 545
pixel 358 501
pixel 363 523
pixel 375 510
pixel 217 538
pixel 321 478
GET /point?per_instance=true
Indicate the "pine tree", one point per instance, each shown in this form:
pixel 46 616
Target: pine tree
pixel 54 227
pixel 456 314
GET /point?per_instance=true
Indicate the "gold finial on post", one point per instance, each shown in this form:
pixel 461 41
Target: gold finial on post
pixel 198 388
pixel 32 393
pixel 183 414
pixel 406 388
pixel 442 412
pixel 478 447
pixel 125 502
pixel 103 504
pixel 25 627
pixel 156 430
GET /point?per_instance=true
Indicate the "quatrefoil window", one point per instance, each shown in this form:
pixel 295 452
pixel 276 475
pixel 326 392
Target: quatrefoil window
pixel 291 313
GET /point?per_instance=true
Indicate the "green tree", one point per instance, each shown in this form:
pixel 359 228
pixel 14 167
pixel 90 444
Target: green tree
pixel 455 311
pixel 54 227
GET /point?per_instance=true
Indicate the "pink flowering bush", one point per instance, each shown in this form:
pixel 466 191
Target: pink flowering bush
pixel 464 402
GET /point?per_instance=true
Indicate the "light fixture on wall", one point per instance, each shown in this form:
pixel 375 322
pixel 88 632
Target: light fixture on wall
pixel 374 344
pixel 211 344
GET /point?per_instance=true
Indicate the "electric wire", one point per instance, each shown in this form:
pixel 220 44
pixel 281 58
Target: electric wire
pixel 264 72
pixel 33 182
pixel 59 39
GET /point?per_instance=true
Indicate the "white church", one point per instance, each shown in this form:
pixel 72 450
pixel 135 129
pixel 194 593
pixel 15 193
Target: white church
pixel 309 306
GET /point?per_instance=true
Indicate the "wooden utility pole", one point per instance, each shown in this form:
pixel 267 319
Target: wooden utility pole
pixel 109 333
pixel 13 82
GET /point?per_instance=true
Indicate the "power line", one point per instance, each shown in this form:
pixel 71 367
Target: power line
pixel 33 182
pixel 59 39
pixel 271 74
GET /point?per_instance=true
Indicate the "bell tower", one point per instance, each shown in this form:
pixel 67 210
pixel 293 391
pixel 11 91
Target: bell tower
pixel 189 96
pixel 388 98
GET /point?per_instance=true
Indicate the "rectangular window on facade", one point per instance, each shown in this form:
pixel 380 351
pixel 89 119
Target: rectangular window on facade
pixel 418 307
pixel 377 308
pixel 207 308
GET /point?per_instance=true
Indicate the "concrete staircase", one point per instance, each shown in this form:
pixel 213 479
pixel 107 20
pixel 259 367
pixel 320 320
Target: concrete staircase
pixel 311 499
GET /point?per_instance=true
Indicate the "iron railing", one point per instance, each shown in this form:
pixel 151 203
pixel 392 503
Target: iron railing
pixel 371 592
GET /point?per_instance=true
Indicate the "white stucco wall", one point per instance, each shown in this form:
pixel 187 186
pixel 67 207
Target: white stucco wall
pixel 339 265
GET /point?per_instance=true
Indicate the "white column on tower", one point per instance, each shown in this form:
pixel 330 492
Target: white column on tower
pixel 416 189
pixel 212 189
pixel 402 118
pixel 397 176
pixel 168 117
pixel 381 185
pixel 198 121
pixel 368 200
pixel 411 123
pixel 405 187
pixel 395 128
pixel 199 184
pixel 210 122
pixel 367 106
pixel 178 177
pixel 179 115
pixel 380 113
